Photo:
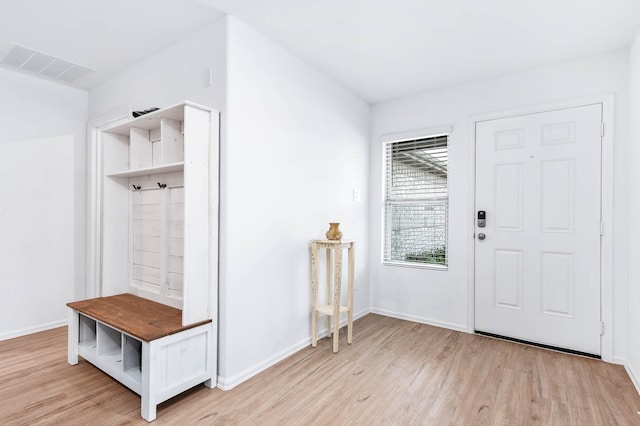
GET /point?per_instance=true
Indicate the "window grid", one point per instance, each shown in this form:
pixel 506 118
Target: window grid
pixel 416 201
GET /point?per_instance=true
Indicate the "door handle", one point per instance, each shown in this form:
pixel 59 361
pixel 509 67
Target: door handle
pixel 481 236
pixel 482 218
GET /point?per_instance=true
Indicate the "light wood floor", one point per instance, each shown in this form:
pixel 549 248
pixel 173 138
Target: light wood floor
pixel 395 373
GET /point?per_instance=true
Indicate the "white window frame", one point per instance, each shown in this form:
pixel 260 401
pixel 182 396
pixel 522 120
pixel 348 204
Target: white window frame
pixel 401 137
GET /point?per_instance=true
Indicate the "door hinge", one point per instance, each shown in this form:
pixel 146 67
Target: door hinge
pixel 601 129
pixel 602 328
pixel 601 228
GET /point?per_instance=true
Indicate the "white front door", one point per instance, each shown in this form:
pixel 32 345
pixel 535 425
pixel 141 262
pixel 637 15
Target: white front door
pixel 537 270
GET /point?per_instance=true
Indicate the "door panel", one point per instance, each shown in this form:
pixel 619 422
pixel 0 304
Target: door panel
pixel 537 272
pixel 508 279
pixel 508 197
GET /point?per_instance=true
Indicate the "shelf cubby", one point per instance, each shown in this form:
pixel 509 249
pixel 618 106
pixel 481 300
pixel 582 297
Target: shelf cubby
pixel 132 357
pixel 87 333
pixel 109 341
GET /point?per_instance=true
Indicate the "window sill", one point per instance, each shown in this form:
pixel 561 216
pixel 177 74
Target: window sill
pixel 416 265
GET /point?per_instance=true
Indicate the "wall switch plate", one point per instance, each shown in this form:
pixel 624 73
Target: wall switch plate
pixel 356 195
pixel 208 78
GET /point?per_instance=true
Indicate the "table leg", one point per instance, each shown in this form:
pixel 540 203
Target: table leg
pixel 337 282
pixel 352 259
pixel 72 337
pixel 149 382
pixel 329 271
pixel 314 295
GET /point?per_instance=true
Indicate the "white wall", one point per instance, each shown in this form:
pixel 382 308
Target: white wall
pixel 170 76
pixel 297 145
pixel 294 144
pixel 633 353
pixel 42 214
pixel 443 298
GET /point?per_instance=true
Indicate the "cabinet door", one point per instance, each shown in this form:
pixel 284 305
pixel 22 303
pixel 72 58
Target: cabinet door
pixel 182 360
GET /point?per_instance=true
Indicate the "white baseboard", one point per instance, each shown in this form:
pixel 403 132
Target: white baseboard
pixel 228 383
pixel 422 320
pixel 29 330
pixel 619 360
pixel 635 379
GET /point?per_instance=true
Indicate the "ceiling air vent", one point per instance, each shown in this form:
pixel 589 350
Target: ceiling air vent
pixel 29 60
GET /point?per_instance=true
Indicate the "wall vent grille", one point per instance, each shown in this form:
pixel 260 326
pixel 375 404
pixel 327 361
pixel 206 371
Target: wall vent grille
pixel 33 61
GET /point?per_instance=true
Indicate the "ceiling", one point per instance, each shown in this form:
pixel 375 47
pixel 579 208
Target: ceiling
pixel 108 36
pixel 378 49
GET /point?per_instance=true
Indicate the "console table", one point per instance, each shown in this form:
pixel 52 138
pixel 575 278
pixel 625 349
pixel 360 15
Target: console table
pixel 333 308
pixel 142 344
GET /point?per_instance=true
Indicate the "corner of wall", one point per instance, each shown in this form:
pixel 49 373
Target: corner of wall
pixel 631 372
pixel 632 362
pixel 228 383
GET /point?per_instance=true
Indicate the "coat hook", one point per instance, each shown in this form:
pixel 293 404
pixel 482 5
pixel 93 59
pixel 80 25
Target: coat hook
pixel 162 185
pixel 136 187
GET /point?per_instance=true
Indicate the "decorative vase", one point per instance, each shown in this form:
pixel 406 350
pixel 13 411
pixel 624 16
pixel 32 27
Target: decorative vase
pixel 334 232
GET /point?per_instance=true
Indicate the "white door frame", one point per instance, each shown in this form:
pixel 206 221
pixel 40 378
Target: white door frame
pixel 606 248
pixel 93 287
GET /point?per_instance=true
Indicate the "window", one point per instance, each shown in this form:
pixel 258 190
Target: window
pixel 416 201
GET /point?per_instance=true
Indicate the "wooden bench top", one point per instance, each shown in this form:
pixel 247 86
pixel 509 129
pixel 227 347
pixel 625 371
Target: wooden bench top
pixel 141 318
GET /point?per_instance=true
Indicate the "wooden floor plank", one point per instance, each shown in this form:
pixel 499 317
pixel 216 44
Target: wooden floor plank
pixel 395 373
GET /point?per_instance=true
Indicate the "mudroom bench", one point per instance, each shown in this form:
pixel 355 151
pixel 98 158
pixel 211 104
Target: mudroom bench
pixel 142 344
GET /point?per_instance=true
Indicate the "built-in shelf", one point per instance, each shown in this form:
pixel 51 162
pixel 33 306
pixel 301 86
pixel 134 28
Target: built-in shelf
pixel 155 221
pixel 164 168
pixel 152 120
